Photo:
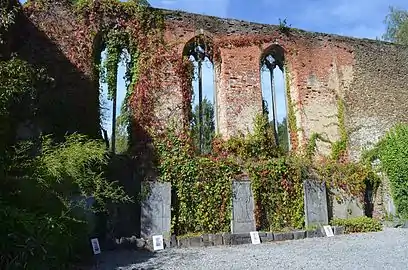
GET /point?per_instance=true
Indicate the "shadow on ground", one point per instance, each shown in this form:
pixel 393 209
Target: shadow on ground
pixel 132 260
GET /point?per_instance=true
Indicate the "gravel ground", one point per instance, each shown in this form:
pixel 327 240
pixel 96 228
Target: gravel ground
pixel 383 250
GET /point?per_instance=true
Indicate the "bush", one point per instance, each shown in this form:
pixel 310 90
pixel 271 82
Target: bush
pixel 358 224
pixel 39 227
pixel 35 240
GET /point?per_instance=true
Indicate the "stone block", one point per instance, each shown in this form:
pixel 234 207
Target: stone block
pixel 282 236
pixel 140 243
pixel 266 237
pixel 215 239
pixel 227 239
pixel 315 200
pixel 173 241
pixel 315 233
pixel 148 244
pixel 243 218
pixel 337 230
pixel 206 240
pixel 299 235
pixel 156 210
pixel 166 243
pixel 183 243
pixel 196 241
pixel 241 239
pixel 262 234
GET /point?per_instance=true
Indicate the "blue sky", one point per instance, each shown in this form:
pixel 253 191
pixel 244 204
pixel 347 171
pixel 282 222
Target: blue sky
pixel 357 18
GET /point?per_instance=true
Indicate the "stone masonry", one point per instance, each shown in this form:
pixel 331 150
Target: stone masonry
pixel 371 77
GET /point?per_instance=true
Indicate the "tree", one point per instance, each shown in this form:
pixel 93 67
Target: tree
pixel 283 137
pixel 208 126
pixel 397 26
pixel 122 144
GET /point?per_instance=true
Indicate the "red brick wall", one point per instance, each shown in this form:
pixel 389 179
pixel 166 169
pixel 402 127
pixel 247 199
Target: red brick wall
pixel 322 68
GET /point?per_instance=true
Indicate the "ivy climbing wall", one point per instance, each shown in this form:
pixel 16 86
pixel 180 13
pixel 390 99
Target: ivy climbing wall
pixel 55 39
pixel 329 80
pixel 349 91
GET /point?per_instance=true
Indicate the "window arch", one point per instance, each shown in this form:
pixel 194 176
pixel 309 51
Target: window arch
pixel 274 101
pixel 199 51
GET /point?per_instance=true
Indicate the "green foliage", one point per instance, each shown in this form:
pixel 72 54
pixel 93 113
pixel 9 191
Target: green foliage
pixel 349 178
pixel 392 151
pixel 37 193
pixel 19 84
pixel 358 224
pixel 283 136
pixel 77 166
pixel 19 89
pixel 312 144
pixel 292 126
pixel 208 126
pixel 283 26
pixel 202 185
pixel 397 26
pixel 8 13
pixel 278 191
pixel 34 240
pixel 122 136
pixel 116 42
pixel 260 144
pixel 109 7
pixel 41 228
pixel 339 147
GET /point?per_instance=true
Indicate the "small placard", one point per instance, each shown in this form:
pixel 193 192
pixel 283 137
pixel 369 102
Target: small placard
pixel 158 243
pixel 255 238
pixel 328 230
pixel 95 246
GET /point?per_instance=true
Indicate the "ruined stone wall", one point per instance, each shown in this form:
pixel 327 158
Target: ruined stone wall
pixel 370 76
pixel 377 98
pixel 49 38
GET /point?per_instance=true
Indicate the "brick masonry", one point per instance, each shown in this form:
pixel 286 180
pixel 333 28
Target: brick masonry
pixel 370 76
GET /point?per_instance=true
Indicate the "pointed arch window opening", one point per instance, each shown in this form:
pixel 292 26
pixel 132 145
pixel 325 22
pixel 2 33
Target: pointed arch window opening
pixel 112 108
pixel 200 54
pixel 275 100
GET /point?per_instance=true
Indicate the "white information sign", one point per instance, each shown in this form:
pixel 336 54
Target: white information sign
pixel 95 246
pixel 328 230
pixel 255 238
pixel 158 243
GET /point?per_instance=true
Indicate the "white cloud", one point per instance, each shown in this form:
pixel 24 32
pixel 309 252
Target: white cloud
pixel 362 18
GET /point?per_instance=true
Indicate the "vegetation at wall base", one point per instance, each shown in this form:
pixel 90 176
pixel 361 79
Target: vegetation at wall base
pixel 358 224
pixel 392 152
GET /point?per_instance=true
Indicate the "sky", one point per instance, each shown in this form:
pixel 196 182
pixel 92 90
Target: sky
pixel 356 18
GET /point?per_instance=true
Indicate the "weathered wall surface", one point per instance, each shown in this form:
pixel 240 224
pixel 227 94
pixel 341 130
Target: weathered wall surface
pixel 50 38
pixel 377 98
pixel 370 76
